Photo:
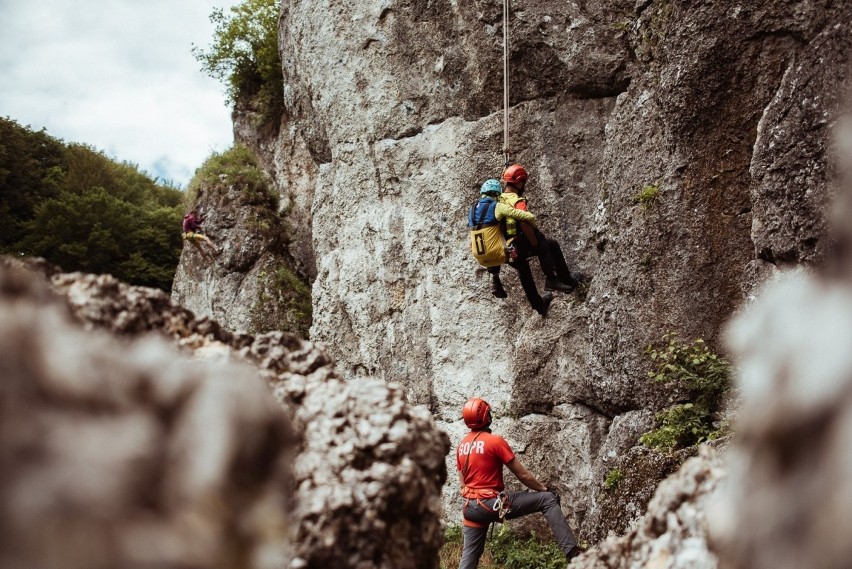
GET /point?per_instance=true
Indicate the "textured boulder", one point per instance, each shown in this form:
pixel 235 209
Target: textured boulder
pixel 673 532
pixel 131 455
pixel 788 501
pixel 367 468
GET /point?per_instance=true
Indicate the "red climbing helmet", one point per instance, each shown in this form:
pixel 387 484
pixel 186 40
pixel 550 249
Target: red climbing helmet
pixel 515 174
pixel 476 413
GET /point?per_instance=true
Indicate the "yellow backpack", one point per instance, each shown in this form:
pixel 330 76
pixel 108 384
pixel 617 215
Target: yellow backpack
pixel 486 234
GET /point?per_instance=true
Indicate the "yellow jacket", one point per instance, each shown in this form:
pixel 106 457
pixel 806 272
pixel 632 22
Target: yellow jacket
pixel 506 206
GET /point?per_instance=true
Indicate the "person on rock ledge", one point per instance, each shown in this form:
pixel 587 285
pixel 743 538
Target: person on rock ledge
pixel 480 457
pixel 528 241
pixel 192 233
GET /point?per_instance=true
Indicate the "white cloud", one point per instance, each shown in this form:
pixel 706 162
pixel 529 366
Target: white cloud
pixel 117 75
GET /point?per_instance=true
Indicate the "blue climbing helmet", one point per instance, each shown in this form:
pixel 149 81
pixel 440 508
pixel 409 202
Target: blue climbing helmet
pixel 491 187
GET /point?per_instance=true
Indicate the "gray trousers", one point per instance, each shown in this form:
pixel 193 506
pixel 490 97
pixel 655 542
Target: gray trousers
pixel 520 504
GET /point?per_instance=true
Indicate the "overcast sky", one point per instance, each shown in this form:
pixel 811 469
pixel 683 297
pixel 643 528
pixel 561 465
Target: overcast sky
pixel 118 75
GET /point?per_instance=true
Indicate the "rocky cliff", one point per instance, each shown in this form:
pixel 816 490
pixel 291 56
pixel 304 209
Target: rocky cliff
pixel 257 279
pixel 137 435
pixel 678 151
pixel 778 497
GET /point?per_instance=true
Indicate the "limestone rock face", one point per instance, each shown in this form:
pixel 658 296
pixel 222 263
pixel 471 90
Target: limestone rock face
pixel 673 532
pixel 779 496
pixel 394 114
pixel 346 468
pixel 286 158
pixel 254 284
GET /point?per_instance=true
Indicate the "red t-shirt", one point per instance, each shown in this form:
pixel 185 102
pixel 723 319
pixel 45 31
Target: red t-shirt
pixel 480 457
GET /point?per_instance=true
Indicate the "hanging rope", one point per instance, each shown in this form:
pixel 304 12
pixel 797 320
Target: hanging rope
pixel 506 81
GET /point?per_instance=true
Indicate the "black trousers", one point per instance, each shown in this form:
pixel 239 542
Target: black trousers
pixel 520 504
pixel 550 258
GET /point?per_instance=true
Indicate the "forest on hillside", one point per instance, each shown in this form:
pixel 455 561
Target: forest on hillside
pixel 84 211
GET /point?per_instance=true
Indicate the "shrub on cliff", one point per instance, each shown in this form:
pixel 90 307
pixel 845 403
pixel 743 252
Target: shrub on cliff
pixel 244 55
pixel 701 373
pixel 235 167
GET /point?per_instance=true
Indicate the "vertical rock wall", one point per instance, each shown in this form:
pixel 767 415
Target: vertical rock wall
pixel 394 118
pixel 779 497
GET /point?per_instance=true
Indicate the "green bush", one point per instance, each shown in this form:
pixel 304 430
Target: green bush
pixel 83 211
pixel 244 55
pixel 706 377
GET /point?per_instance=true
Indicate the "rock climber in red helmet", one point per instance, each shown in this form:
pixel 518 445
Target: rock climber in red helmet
pixel 528 241
pixel 480 457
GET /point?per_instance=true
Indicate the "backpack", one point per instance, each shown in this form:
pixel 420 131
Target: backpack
pixel 190 222
pixel 486 234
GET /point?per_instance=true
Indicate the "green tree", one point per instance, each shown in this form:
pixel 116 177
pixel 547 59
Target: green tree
pixel 96 232
pixel 31 170
pixel 244 54
pixel 82 210
pixel 88 168
pixel 81 231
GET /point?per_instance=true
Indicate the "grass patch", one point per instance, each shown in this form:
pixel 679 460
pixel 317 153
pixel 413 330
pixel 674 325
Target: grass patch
pixel 647 196
pixel 613 479
pixel 236 167
pixel 504 550
pixel 705 375
pixel 238 171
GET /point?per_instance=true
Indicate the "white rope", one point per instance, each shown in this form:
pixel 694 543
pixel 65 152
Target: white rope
pixel 506 81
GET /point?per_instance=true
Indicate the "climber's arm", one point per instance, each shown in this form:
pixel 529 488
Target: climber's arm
pixel 504 210
pixel 524 475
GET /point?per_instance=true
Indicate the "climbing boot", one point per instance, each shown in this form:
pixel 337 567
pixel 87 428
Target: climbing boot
pixel 575 552
pixel 552 283
pixel 497 289
pixel 546 299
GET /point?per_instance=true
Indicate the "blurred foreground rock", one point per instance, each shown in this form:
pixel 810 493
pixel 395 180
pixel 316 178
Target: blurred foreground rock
pixel 673 532
pixel 130 455
pixel 789 502
pixel 126 452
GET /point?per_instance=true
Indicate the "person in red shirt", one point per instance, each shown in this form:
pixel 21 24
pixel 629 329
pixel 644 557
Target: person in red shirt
pixel 480 457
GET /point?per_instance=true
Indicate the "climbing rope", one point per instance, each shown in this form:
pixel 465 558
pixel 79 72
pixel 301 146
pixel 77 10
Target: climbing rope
pixel 506 81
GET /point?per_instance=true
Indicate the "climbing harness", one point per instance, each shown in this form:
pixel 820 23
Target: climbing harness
pixel 506 82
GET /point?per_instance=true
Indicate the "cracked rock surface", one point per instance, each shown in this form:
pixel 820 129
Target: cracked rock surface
pixel 140 435
pixel 394 118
